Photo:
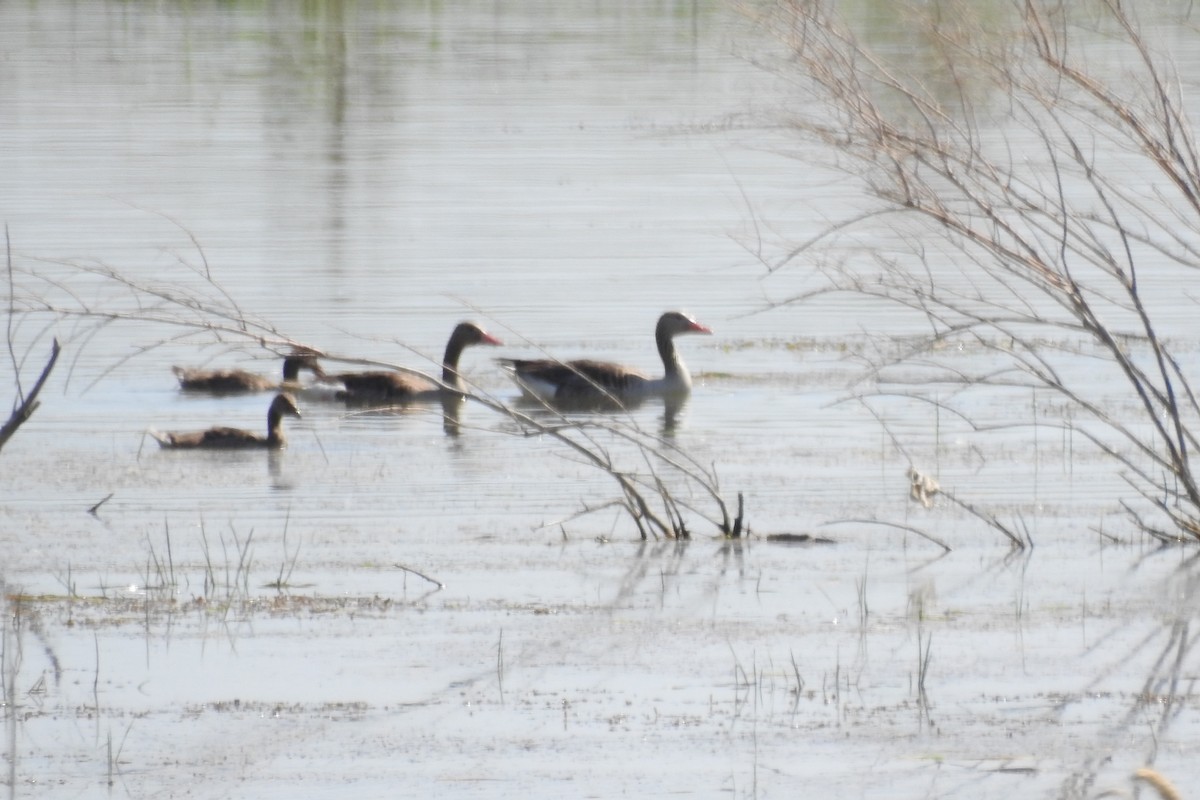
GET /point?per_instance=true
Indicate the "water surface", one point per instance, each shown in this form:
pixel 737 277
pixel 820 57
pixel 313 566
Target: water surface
pixel 360 177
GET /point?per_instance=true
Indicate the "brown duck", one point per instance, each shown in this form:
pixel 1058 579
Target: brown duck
pixel 586 382
pixel 236 438
pixel 237 381
pixel 401 388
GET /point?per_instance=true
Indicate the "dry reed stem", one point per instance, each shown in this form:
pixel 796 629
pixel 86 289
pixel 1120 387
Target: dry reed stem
pixel 1156 780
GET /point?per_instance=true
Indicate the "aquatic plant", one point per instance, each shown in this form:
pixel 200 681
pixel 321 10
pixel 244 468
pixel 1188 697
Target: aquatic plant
pixel 1041 202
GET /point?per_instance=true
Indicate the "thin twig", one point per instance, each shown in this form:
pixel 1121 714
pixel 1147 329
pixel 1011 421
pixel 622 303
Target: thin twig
pixel 419 574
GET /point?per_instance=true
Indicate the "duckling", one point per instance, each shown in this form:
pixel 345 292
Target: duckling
pixel 236 438
pixel 237 381
pixel 401 388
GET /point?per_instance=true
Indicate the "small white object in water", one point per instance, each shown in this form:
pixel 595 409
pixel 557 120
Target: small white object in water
pixel 922 488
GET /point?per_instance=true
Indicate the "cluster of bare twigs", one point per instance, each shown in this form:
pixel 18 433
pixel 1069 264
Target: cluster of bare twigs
pixel 181 303
pixel 651 496
pixel 1040 201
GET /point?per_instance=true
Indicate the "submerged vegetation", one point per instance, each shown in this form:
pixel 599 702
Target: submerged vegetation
pixel 1050 246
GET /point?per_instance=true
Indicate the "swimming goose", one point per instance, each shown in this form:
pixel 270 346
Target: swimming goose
pixel 401 387
pixel 236 438
pixel 234 381
pixel 585 382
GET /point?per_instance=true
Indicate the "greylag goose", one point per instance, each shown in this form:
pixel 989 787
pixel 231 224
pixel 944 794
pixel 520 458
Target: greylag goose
pixel 236 438
pixel 235 381
pixel 401 387
pixel 587 383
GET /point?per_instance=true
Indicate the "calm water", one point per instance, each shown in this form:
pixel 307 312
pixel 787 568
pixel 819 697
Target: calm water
pixel 360 177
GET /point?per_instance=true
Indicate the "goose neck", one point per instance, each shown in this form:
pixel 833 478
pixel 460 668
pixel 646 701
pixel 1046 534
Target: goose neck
pixel 672 363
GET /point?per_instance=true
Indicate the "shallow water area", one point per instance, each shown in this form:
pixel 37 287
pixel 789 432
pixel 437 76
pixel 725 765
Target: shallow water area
pixel 580 666
pixel 394 606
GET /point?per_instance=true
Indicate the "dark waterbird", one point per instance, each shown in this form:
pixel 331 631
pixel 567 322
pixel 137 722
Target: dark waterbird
pixel 238 381
pixel 399 388
pixel 221 438
pixel 585 382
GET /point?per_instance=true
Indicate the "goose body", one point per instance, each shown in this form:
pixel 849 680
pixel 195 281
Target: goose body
pixel 238 381
pixel 221 438
pixel 586 382
pixel 385 387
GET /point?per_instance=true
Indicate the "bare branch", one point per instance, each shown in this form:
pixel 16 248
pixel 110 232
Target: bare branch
pixel 1015 156
pixel 25 406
